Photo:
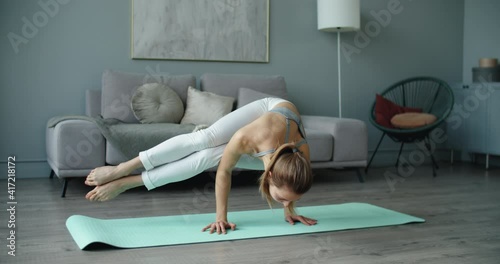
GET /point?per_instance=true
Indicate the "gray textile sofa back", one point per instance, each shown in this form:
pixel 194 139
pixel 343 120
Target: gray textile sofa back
pixel 75 147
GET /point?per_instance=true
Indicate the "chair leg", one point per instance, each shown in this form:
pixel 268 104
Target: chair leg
pixel 399 154
pixel 360 176
pixel 375 152
pixel 65 186
pixel 434 163
pixel 52 173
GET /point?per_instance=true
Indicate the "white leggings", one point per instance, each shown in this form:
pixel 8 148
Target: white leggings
pixel 184 156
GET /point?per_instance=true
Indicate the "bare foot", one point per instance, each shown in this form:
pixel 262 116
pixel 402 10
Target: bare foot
pixel 102 175
pixel 112 189
pixel 104 192
pixel 105 174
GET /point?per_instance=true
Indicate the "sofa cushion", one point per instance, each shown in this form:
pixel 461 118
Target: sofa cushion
pixel 229 84
pixel 118 88
pixel 204 108
pixel 246 96
pixel 157 103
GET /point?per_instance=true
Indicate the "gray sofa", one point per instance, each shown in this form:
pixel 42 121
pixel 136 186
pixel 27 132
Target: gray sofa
pixel 75 146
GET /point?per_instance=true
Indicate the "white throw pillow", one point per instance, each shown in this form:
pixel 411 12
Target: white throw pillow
pixel 204 108
pixel 157 103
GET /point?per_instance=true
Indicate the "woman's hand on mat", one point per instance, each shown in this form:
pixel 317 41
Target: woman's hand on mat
pixel 219 227
pixel 299 218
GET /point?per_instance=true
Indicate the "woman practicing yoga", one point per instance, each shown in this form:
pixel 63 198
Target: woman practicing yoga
pixel 264 135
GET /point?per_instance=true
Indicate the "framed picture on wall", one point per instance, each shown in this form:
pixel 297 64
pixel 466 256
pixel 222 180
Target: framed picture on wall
pixel 201 30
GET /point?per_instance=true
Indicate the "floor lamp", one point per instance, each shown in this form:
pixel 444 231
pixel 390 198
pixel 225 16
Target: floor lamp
pixel 338 16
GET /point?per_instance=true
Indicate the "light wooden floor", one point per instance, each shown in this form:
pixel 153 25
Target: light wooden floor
pixel 461 206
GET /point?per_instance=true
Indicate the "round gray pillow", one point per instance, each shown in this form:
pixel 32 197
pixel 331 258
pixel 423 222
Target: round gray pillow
pixel 157 103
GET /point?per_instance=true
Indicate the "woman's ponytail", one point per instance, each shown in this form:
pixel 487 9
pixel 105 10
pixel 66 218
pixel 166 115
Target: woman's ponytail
pixel 287 168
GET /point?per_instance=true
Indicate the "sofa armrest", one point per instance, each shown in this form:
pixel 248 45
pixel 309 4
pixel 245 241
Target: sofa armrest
pixel 74 146
pixel 92 103
pixel 350 136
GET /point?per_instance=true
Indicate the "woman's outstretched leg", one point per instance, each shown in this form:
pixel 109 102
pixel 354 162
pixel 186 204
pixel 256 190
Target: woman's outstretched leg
pixel 183 169
pixel 217 134
pixel 184 145
pixel 105 174
pixel 172 172
pixel 175 171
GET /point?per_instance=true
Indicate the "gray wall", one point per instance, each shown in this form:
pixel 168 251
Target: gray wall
pixel 481 33
pixel 52 69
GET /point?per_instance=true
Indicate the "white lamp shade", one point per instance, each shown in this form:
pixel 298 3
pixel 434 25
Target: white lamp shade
pixel 338 15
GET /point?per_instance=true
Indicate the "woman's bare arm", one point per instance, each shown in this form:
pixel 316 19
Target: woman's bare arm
pixel 232 153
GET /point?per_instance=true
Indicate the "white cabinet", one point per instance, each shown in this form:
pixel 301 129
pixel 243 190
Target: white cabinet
pixel 474 124
pixel 493 143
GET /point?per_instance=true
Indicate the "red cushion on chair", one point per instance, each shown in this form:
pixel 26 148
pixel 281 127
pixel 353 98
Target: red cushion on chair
pixel 386 109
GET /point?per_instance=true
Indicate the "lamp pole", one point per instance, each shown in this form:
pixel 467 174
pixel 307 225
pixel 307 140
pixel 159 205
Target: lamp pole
pixel 339 75
pixel 339 15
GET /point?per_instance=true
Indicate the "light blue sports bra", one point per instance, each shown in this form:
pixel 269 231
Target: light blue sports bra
pixel 289 115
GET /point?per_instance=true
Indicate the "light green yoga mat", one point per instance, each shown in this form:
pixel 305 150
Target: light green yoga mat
pixel 186 229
